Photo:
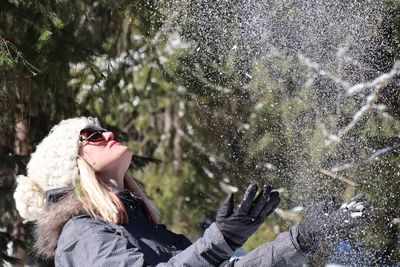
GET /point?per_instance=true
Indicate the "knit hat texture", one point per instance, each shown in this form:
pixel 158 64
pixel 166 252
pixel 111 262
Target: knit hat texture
pixel 52 165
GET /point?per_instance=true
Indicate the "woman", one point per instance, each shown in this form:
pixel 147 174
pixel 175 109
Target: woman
pixel 89 212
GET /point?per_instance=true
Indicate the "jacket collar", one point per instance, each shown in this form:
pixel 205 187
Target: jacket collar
pixel 134 205
pixel 61 206
pixel 49 226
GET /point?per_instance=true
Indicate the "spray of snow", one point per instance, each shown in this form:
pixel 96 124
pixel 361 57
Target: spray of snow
pixel 332 41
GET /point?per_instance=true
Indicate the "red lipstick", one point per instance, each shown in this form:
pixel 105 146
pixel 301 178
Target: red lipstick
pixel 113 142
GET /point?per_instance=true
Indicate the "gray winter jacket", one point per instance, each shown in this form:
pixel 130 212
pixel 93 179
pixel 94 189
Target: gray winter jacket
pixel 84 241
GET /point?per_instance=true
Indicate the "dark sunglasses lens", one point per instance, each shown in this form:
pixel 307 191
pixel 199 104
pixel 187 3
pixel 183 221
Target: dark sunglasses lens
pixel 91 135
pixel 85 133
pixel 96 137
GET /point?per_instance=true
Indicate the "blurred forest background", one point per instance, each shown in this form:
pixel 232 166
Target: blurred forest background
pixel 218 106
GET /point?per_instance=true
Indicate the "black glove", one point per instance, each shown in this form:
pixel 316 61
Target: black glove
pixel 238 225
pixel 328 219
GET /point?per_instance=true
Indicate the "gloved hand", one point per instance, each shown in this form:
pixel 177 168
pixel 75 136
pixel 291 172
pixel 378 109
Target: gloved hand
pixel 329 218
pixel 238 225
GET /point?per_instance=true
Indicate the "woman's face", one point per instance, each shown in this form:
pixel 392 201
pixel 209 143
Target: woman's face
pixel 108 157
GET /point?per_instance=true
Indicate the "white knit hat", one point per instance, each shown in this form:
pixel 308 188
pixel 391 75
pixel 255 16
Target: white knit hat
pixel 52 165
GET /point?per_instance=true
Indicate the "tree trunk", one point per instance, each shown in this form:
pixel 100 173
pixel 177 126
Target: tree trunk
pixel 21 148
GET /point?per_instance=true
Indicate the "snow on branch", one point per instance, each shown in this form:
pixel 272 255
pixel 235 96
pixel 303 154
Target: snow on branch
pixel 321 71
pixel 377 155
pixel 375 86
pixel 336 138
pixel 379 82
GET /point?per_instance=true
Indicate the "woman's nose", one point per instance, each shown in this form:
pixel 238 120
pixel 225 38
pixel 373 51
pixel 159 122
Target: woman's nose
pixel 108 136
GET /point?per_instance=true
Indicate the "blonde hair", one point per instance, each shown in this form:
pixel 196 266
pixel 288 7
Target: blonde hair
pixel 101 203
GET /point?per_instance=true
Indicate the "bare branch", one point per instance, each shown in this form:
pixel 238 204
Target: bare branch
pixel 341 178
pixel 341 167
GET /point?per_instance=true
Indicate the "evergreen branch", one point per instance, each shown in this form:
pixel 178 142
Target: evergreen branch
pixel 18 55
pixel 139 162
pixel 201 149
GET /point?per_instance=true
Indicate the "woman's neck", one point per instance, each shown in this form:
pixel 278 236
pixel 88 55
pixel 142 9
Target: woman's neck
pixel 112 182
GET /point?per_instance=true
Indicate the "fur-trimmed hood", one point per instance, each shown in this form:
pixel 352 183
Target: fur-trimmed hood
pixel 50 224
pixel 63 205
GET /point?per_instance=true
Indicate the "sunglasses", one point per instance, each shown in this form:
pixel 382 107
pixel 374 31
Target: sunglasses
pixel 92 135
